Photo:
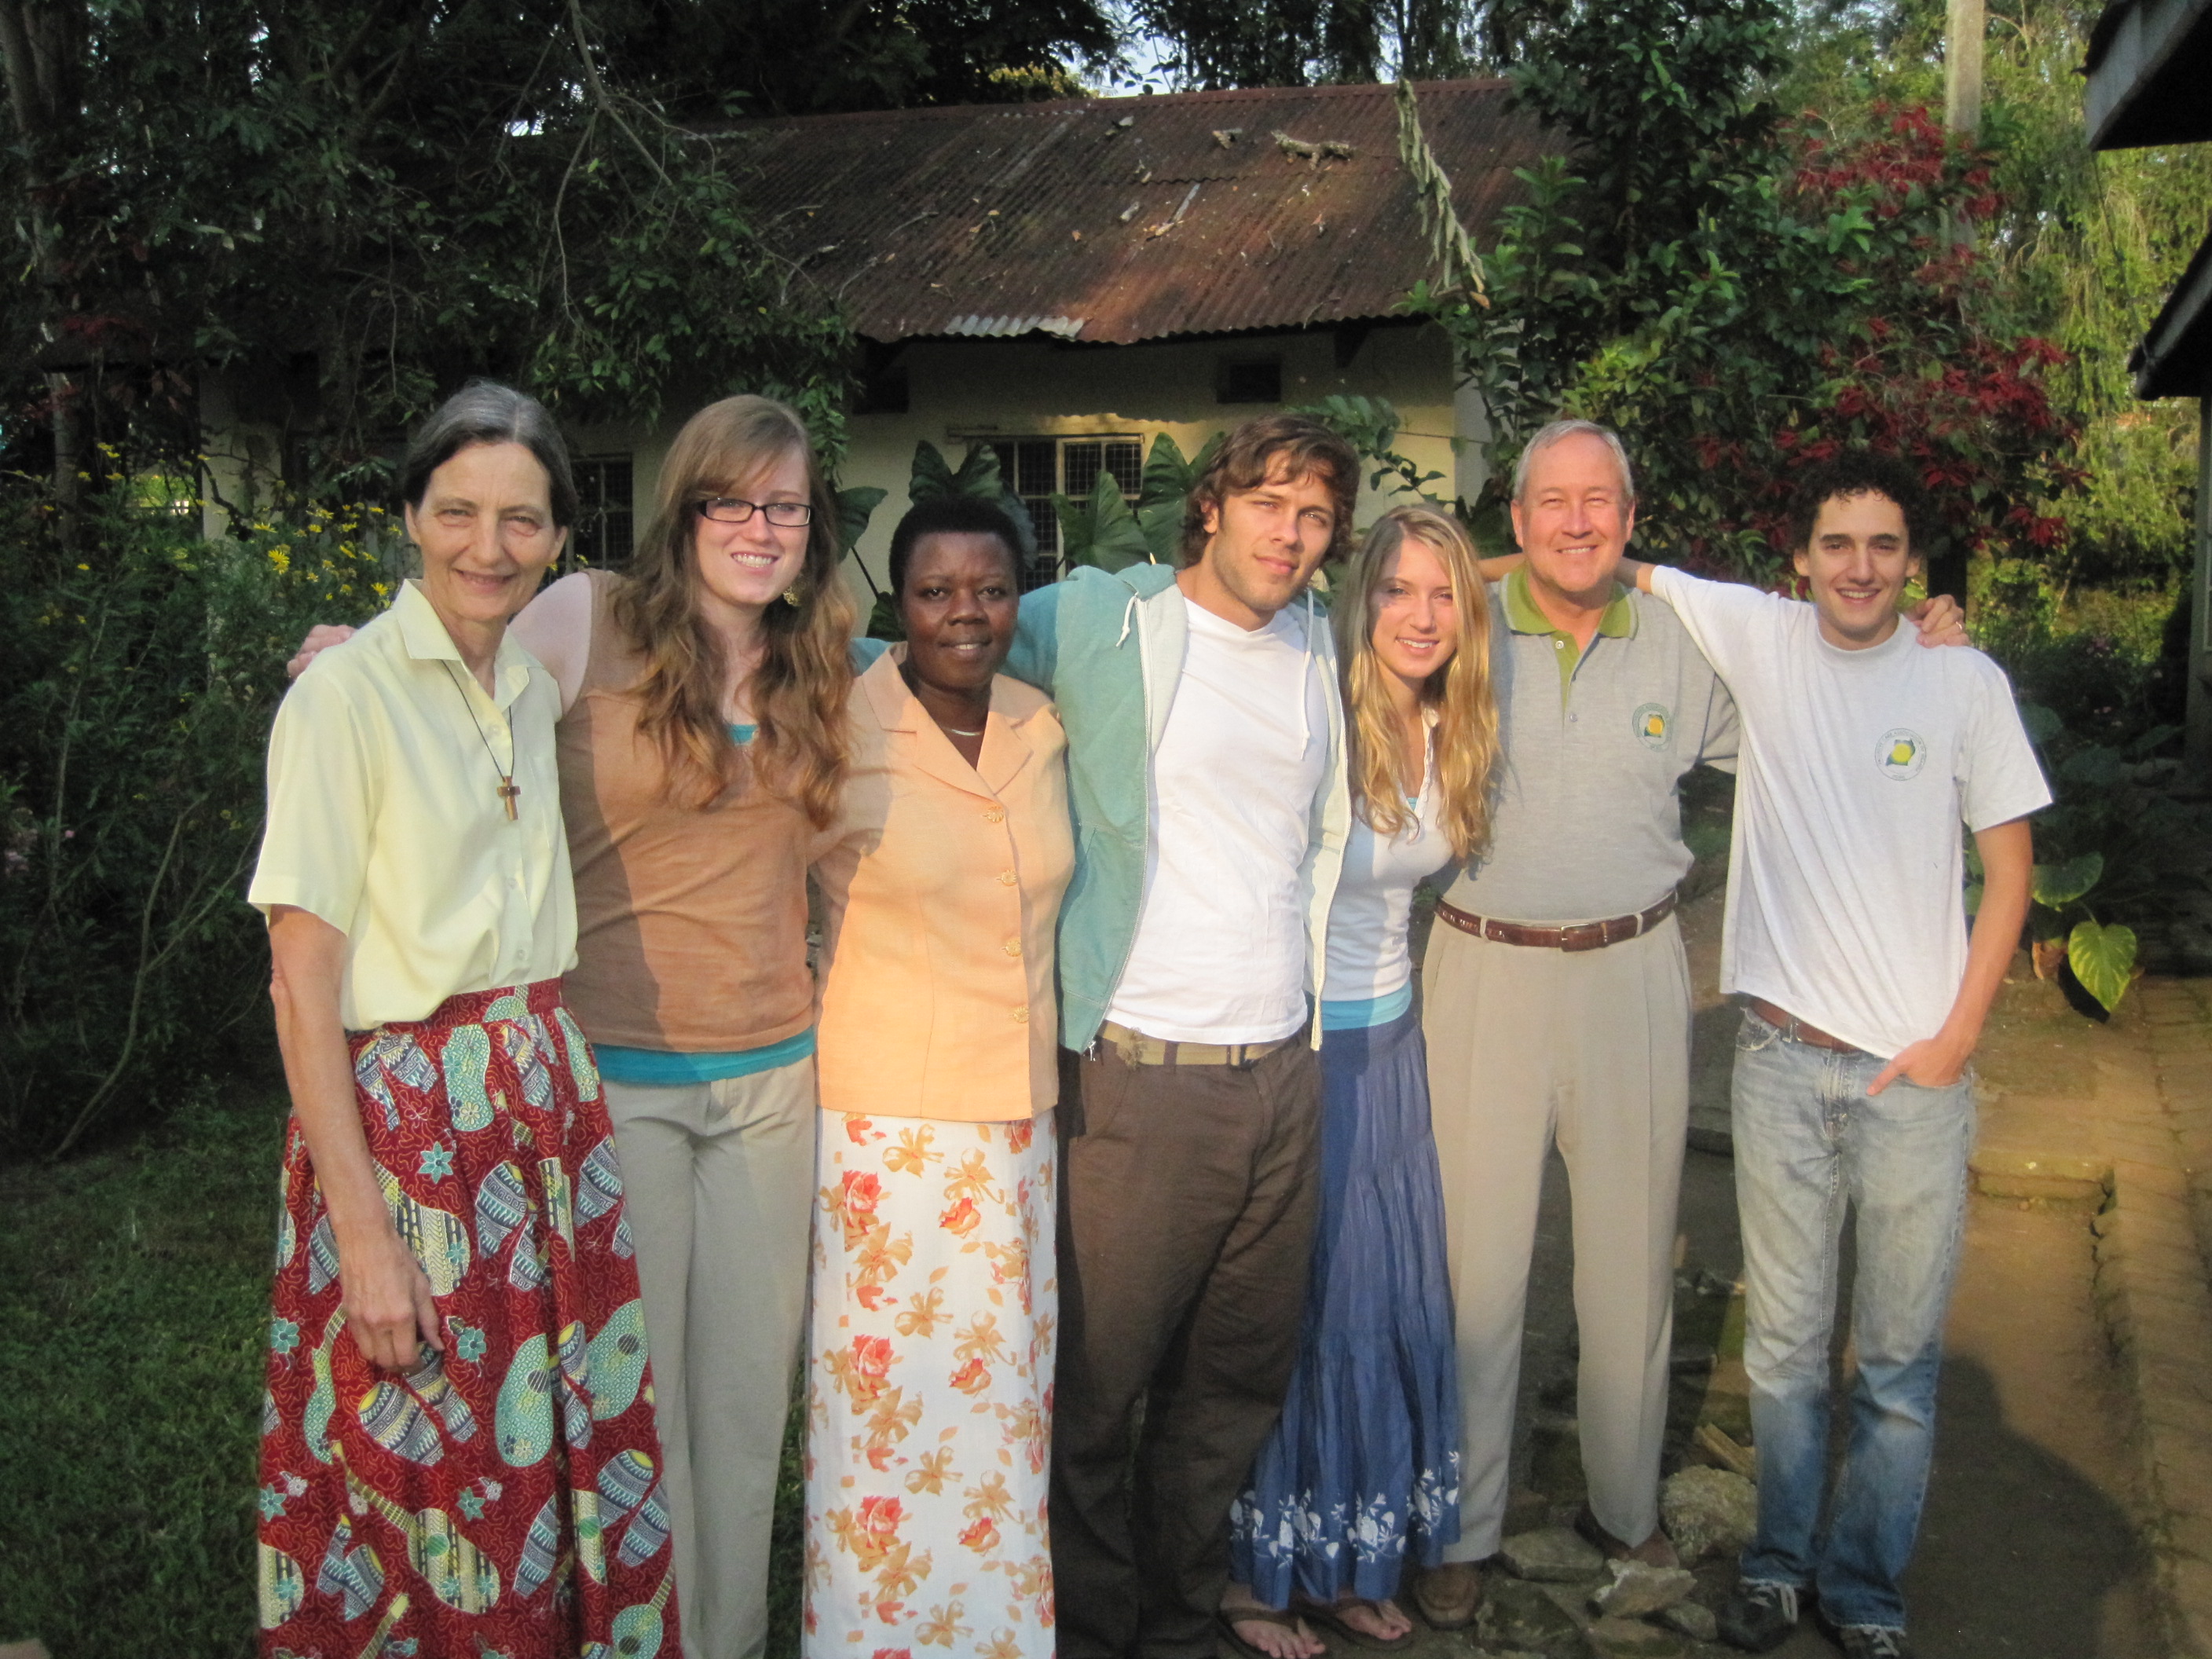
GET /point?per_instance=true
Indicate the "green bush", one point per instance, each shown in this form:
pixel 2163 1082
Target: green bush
pixel 2096 658
pixel 144 663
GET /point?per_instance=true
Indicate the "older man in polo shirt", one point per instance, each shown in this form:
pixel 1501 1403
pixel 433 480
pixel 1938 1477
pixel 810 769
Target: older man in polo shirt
pixel 1557 1002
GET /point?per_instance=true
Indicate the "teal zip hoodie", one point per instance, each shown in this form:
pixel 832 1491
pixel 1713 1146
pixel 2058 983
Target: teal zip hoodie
pixel 1108 647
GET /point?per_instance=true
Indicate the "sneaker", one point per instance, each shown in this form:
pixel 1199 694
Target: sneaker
pixel 1873 1642
pixel 1759 1615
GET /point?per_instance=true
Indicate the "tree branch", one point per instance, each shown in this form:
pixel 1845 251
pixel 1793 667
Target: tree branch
pixel 603 98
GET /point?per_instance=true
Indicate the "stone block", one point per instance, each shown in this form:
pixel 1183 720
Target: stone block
pixel 2179 1263
pixel 2190 1535
pixel 22 1650
pixel 1629 1638
pixel 1519 1615
pixel 2160 1373
pixel 2186 1076
pixel 2147 1163
pixel 2180 1474
pixel 2182 1413
pixel 1708 1512
pixel 1634 1590
pixel 1555 1555
pixel 2004 1172
pixel 1691 1619
pixel 2189 1588
pixel 2160 1223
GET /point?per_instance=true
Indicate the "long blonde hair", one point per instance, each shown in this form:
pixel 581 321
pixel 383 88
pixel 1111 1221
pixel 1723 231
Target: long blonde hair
pixel 800 690
pixel 1459 692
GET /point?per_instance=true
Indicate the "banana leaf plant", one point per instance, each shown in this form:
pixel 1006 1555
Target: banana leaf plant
pixel 1103 529
pixel 2101 841
pixel 931 480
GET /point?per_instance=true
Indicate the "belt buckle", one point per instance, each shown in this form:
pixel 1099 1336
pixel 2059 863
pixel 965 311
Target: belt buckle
pixel 1583 936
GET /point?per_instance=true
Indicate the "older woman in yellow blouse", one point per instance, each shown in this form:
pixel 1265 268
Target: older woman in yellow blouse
pixel 457 1375
pixel 931 1347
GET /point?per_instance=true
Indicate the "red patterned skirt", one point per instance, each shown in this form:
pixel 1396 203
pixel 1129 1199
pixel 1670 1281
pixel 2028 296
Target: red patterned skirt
pixel 505 1497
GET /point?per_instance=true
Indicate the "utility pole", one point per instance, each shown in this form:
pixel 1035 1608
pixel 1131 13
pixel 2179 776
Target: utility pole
pixel 1962 67
pixel 1963 29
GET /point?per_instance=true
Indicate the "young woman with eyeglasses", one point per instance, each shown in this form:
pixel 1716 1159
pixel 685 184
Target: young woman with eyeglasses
pixel 702 749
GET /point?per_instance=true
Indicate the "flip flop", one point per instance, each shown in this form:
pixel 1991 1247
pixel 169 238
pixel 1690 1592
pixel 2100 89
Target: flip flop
pixel 1228 1622
pixel 1326 1616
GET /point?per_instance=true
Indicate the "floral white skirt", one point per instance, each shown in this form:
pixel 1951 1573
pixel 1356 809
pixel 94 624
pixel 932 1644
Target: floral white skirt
pixel 929 1372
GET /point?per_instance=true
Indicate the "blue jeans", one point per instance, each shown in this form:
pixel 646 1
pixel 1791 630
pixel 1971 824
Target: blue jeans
pixel 1809 1141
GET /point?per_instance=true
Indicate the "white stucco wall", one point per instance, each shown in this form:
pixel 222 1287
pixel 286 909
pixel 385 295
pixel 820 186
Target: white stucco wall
pixel 974 390
pixel 963 389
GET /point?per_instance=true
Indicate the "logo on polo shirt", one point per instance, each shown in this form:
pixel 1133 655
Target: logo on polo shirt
pixel 1903 753
pixel 1649 725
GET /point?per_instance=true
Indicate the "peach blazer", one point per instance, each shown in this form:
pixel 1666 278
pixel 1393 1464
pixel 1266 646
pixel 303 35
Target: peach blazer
pixel 940 895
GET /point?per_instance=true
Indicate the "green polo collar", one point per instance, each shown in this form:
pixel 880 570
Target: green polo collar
pixel 1522 616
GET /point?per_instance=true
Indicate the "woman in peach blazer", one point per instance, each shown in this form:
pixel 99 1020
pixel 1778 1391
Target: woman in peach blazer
pixel 930 1351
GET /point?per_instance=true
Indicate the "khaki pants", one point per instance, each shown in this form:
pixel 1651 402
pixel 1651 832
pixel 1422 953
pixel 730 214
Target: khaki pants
pixel 719 1182
pixel 1185 1220
pixel 1590 1048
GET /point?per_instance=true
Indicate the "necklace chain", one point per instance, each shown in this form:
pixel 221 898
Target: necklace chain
pixel 508 789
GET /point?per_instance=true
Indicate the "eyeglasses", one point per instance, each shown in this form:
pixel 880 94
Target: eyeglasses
pixel 729 509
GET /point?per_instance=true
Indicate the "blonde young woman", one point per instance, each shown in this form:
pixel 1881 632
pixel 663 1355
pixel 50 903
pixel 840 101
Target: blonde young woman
pixel 702 744
pixel 1360 1478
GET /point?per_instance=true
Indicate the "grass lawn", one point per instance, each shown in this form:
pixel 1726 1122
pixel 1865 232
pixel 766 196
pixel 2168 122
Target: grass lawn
pixel 134 1301
pixel 134 1305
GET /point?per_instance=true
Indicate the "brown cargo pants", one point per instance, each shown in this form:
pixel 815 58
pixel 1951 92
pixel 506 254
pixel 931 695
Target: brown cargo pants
pixel 1186 1218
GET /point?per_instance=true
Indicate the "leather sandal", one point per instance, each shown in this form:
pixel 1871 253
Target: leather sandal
pixel 1448 1596
pixel 1227 1620
pixel 1329 1616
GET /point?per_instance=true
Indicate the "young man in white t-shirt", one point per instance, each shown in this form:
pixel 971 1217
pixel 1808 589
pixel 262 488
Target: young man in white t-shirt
pixel 1847 939
pixel 1206 780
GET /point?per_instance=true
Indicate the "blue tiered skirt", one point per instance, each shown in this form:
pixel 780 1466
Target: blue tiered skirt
pixel 1362 1473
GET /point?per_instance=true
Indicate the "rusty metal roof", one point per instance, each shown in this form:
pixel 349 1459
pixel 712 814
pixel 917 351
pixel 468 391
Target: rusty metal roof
pixel 1125 219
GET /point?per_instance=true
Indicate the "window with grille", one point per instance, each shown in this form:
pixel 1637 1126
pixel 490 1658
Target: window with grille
pixel 1037 468
pixel 606 529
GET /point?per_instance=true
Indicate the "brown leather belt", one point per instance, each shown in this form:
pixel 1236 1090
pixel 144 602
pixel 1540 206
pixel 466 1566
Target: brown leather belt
pixel 1796 1030
pixel 1581 936
pixel 1135 1049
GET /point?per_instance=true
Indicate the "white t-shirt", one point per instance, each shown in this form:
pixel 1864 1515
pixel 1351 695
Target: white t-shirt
pixel 1844 887
pixel 1369 955
pixel 1220 952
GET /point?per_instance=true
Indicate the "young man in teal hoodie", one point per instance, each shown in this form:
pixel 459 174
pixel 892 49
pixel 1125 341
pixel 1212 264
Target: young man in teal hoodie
pixel 1206 780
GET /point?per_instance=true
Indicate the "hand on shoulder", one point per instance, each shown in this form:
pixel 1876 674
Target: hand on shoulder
pixel 1940 620
pixel 320 638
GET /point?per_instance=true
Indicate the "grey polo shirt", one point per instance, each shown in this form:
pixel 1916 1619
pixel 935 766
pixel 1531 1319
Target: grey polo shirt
pixel 1585 821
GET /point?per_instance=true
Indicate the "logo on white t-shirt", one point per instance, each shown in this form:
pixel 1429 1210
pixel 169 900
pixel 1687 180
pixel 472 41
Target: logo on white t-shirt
pixel 1904 751
pixel 1649 725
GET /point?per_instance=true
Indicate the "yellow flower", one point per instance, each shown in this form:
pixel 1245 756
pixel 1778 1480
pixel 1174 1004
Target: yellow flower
pixel 282 558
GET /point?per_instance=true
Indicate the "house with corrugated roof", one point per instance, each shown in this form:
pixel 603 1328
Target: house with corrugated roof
pixel 1065 281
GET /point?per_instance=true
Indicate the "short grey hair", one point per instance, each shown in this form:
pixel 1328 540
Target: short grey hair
pixel 486 412
pixel 1559 432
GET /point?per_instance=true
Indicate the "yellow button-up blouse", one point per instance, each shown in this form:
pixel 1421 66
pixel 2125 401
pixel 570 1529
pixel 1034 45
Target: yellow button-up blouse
pixel 940 893
pixel 386 817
